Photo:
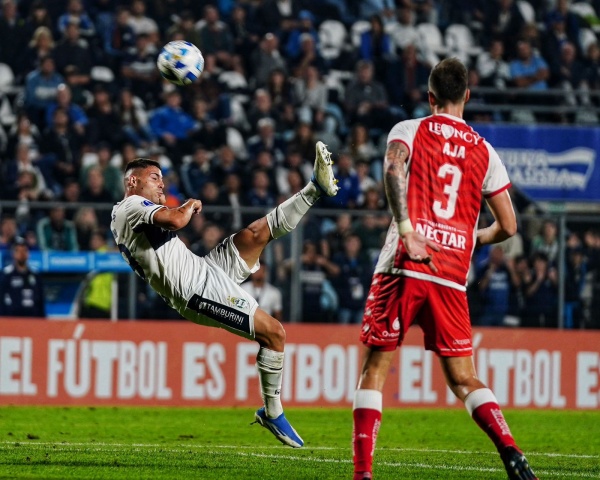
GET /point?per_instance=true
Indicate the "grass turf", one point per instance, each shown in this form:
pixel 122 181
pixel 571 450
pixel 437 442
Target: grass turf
pixel 181 443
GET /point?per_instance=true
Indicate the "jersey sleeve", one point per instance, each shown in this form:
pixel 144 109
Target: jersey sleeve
pixel 140 210
pixel 404 132
pixel 496 178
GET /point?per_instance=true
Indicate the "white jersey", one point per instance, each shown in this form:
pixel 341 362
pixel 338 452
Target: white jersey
pixel 155 254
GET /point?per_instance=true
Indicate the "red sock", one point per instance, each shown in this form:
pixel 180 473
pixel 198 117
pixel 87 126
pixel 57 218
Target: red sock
pixel 484 409
pixel 367 419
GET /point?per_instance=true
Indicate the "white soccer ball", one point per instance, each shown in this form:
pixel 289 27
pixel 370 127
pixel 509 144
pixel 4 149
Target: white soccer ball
pixel 180 62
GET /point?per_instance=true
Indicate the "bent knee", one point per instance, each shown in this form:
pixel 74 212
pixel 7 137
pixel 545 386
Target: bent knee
pixel 269 332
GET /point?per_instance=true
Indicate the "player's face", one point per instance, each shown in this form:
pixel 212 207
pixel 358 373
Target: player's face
pixel 149 184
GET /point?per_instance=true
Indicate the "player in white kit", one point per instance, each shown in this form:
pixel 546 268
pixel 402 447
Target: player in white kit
pixel 206 290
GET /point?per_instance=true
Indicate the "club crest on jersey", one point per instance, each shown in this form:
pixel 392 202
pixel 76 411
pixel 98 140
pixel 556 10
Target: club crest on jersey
pixel 238 302
pixel 147 203
pixel 447 131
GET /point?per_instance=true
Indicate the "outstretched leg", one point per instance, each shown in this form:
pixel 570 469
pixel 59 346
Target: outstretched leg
pixel 483 407
pixel 252 240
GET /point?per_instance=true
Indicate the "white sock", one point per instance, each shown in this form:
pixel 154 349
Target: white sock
pixel 270 368
pixel 372 399
pixel 288 214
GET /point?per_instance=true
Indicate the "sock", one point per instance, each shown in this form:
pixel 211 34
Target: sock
pixel 367 419
pixel 288 214
pixel 270 368
pixel 483 407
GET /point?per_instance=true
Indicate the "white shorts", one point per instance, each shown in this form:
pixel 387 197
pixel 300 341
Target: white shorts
pixel 222 302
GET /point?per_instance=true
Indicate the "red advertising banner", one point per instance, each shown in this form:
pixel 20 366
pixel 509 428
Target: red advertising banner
pixel 178 363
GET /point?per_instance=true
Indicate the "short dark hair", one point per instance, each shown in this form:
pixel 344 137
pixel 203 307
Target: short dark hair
pixel 448 81
pixel 141 163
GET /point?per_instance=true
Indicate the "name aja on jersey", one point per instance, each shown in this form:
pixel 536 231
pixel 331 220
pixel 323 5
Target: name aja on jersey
pixel 448 237
pixel 448 132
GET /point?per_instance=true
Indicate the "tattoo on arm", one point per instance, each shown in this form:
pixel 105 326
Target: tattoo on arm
pixel 394 179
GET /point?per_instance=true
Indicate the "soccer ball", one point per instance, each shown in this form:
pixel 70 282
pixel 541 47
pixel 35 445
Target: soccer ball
pixel 180 62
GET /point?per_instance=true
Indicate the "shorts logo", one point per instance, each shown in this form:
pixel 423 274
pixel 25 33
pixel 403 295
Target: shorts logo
pixel 396 324
pixel 147 203
pixel 365 328
pixel 238 302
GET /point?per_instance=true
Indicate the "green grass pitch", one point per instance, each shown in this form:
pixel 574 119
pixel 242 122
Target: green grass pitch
pixel 219 443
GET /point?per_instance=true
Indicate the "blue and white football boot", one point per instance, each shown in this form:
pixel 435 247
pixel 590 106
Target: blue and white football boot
pixel 279 427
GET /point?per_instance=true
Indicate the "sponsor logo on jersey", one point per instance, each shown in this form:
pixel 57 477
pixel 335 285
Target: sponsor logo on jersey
pixel 448 132
pixel 461 341
pixel 396 324
pixel 445 235
pixel 147 203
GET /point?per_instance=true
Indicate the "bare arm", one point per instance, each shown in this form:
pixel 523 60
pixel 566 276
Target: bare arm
pixel 176 218
pixel 394 179
pixel 505 222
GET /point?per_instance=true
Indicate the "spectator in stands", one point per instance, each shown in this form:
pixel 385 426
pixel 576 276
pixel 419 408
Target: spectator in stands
pixel 369 8
pixel 366 99
pixel 305 24
pixel 64 143
pixel 569 76
pixel 293 163
pixel 142 24
pixel 86 223
pixel 232 196
pixel 244 33
pixel 225 162
pixel 215 37
pixel 529 71
pixel 265 59
pixel 281 90
pixel 8 232
pixel 261 107
pixel 348 181
pixel 21 288
pixel 120 39
pixel 113 178
pixel 406 79
pixel 494 285
pixel 591 67
pixel 259 194
pixel 172 125
pixel 196 172
pixel 78 120
pixel 314 271
pixel 13 35
pixel 370 198
pixel 332 242
pixel 27 188
pixel 303 141
pixel 40 90
pixel 207 130
pixel 212 235
pixel 133 119
pixel 576 283
pixel 504 21
pixel 185 25
pixel 40 45
pixel 97 297
pixel 25 132
pixel 139 70
pixel 546 241
pixel 309 56
pixel 105 122
pixel 493 70
pixel 55 232
pixel 353 280
pixel 268 296
pixel 541 294
pixel 360 146
pixel 266 140
pixel 38 16
pixel 376 46
pixel 74 51
pixel 371 230
pixel 76 15
pixel 312 96
pixel 402 30
pixel 565 24
pixel 71 193
pixel 95 191
pixel 277 16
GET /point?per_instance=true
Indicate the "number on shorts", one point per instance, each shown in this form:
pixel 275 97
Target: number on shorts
pixel 137 268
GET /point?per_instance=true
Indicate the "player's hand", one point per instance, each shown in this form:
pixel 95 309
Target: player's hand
pixel 416 247
pixel 195 205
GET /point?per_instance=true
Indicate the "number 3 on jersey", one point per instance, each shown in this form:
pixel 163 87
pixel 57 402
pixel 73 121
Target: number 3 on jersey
pixel 450 190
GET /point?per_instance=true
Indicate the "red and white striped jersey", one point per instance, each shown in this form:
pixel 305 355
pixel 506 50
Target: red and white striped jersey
pixel 449 168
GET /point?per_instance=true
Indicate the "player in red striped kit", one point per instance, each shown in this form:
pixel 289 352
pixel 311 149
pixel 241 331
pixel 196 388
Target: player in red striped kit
pixel 436 171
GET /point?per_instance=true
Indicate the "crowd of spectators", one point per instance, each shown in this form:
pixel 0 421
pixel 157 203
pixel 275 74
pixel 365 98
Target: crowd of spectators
pixel 80 96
